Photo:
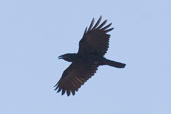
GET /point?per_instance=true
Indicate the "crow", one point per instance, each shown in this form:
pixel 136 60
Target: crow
pixel 92 48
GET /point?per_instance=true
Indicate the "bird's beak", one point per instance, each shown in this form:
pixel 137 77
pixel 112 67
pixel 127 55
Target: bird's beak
pixel 60 57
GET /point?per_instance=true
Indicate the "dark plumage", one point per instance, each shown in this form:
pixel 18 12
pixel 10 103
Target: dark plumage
pixel 92 48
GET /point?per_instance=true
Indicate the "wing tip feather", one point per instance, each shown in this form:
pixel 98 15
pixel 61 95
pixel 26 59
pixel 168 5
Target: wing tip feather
pixel 99 26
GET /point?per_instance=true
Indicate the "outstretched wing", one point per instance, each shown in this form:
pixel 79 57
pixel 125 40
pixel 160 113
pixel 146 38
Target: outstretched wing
pixel 95 40
pixel 75 76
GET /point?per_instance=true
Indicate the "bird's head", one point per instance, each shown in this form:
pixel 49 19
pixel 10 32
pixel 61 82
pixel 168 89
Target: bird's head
pixel 68 57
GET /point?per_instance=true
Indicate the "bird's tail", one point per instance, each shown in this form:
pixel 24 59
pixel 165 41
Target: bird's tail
pixel 114 63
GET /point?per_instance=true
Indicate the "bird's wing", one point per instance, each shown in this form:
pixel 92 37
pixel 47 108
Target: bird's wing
pixel 95 39
pixel 75 76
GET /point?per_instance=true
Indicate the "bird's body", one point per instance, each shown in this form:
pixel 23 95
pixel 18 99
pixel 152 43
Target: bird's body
pixel 73 57
pixel 92 48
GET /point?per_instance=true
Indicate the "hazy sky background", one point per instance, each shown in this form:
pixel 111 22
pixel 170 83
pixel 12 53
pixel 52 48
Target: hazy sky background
pixel 33 33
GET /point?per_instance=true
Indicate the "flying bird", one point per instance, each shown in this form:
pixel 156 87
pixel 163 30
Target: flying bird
pixel 92 48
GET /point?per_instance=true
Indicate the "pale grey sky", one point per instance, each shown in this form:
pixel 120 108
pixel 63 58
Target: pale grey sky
pixel 33 33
